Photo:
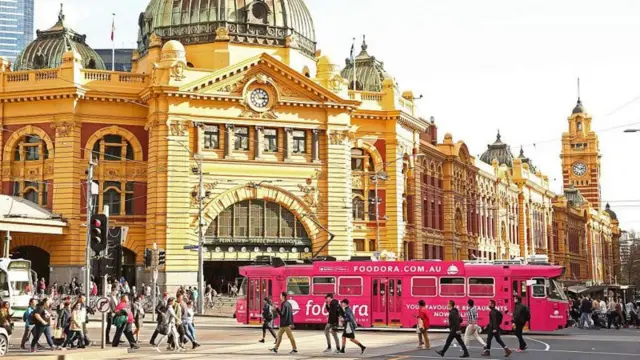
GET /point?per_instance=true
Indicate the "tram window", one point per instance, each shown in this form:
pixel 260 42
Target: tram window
pixel 423 286
pixel 483 287
pixel 298 285
pixel 538 288
pixel 350 286
pixel 555 290
pixel 324 285
pixel 4 285
pixel 452 287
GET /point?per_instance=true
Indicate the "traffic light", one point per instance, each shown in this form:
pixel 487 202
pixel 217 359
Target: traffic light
pixel 148 258
pixel 99 229
pixel 161 257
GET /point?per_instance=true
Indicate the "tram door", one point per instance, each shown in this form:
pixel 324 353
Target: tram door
pixel 386 302
pixel 259 288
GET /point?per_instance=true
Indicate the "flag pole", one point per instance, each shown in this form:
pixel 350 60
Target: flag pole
pixel 113 43
pixel 353 55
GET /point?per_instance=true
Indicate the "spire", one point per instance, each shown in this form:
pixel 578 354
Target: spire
pixel 498 136
pixel 364 43
pixel 607 207
pixel 61 14
pixel 521 152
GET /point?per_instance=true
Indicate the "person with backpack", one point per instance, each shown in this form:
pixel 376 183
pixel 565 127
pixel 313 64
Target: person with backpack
pixel 521 315
pixel 422 326
pixel 123 320
pixel 267 319
pixel 28 325
pixel 75 327
pixel 62 326
pixel 350 326
pixel 333 320
pixel 113 303
pixel 41 317
pixel 493 330
pixel 455 320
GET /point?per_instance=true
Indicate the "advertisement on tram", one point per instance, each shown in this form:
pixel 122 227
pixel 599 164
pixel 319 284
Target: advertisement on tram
pixel 386 294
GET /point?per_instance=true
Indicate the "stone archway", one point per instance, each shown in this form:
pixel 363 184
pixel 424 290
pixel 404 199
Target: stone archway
pixel 40 259
pixel 264 192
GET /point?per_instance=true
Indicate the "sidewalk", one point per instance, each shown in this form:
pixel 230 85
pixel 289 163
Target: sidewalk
pixel 94 353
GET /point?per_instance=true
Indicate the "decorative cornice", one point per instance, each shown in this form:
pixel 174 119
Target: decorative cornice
pixel 64 128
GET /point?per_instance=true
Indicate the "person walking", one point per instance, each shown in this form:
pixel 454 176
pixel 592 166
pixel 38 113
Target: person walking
pixel 612 318
pixel 179 308
pixel 585 310
pixel 454 331
pixel 138 315
pixel 75 327
pixel 267 319
pixel 84 315
pixel 41 318
pixel 422 326
pixel 63 323
pixel 167 326
pixel 161 310
pixel 521 315
pixel 331 328
pixel 113 303
pixel 286 324
pixel 123 319
pixel 28 326
pixel 493 330
pixel 42 287
pixel 472 330
pixel 350 326
pixel 187 323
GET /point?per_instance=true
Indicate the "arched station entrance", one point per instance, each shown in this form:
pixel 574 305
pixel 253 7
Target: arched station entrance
pixel 39 258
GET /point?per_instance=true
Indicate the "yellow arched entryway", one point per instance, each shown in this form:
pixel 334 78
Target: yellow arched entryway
pixel 263 192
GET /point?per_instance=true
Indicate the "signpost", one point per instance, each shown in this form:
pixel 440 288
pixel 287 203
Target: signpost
pixel 104 313
pixel 155 280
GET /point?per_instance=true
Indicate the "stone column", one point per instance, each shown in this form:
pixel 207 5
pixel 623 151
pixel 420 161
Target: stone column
pixel 287 143
pixel 315 145
pixel 228 141
pixel 259 143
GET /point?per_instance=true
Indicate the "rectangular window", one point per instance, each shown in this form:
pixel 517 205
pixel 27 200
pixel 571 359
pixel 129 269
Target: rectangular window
pixel 287 223
pixel 16 188
pixel 452 287
pixel 241 217
pixel 423 286
pixel 270 140
pixel 481 287
pixel 298 285
pixel 225 224
pixel 539 288
pixel 128 198
pixel 257 218
pixel 299 141
pixel 372 245
pixel 272 215
pixel 211 137
pixel 32 152
pixel 242 138
pixel 350 286
pixel 373 203
pixel 324 285
pixel 359 244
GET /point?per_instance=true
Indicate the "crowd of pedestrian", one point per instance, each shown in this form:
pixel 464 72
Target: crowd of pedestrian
pixel 601 312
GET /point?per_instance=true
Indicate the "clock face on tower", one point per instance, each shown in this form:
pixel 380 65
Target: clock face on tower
pixel 579 169
pixel 259 98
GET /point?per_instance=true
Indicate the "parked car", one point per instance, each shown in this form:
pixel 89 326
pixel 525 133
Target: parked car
pixel 4 341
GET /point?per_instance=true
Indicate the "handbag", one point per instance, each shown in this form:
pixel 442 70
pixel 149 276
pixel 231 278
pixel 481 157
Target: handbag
pixel 57 333
pixel 348 329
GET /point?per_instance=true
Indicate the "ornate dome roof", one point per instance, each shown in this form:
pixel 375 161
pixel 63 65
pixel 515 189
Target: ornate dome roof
pixel 579 109
pixel 526 160
pixel 612 214
pixel 260 22
pixel 498 150
pixel 370 72
pixel 47 49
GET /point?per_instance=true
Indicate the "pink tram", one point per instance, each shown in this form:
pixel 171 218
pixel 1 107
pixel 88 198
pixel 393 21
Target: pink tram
pixel 386 294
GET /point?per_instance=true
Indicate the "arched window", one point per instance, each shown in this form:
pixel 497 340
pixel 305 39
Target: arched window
pixel 358 202
pixel 113 148
pixel 361 160
pixel 31 190
pixel 255 219
pixel 31 148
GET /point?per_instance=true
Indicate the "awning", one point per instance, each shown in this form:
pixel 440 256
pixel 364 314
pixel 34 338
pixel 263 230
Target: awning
pixel 578 289
pixel 20 215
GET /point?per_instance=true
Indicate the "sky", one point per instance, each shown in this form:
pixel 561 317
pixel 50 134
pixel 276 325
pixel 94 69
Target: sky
pixel 481 66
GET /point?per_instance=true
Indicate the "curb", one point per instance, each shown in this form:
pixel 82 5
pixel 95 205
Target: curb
pixel 72 355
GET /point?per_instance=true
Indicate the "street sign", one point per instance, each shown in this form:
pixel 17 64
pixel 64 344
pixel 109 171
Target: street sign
pixel 191 247
pixel 102 305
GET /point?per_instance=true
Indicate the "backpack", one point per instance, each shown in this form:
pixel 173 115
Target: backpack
pixel 526 313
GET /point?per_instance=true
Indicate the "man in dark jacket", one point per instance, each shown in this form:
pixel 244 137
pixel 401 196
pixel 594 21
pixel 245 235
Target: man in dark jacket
pixel 455 320
pixel 520 318
pixel 493 330
pixel 585 310
pixel 161 308
pixel 335 311
pixel 286 324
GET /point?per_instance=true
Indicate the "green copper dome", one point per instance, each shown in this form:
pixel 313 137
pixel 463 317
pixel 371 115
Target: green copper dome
pixel 259 22
pixel 45 52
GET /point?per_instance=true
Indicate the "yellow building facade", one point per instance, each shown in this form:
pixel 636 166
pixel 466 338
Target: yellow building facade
pixel 298 156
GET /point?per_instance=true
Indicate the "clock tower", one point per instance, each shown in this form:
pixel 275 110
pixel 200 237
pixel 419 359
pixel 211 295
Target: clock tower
pixel 580 156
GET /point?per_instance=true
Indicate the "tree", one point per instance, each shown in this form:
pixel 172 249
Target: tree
pixel 631 265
